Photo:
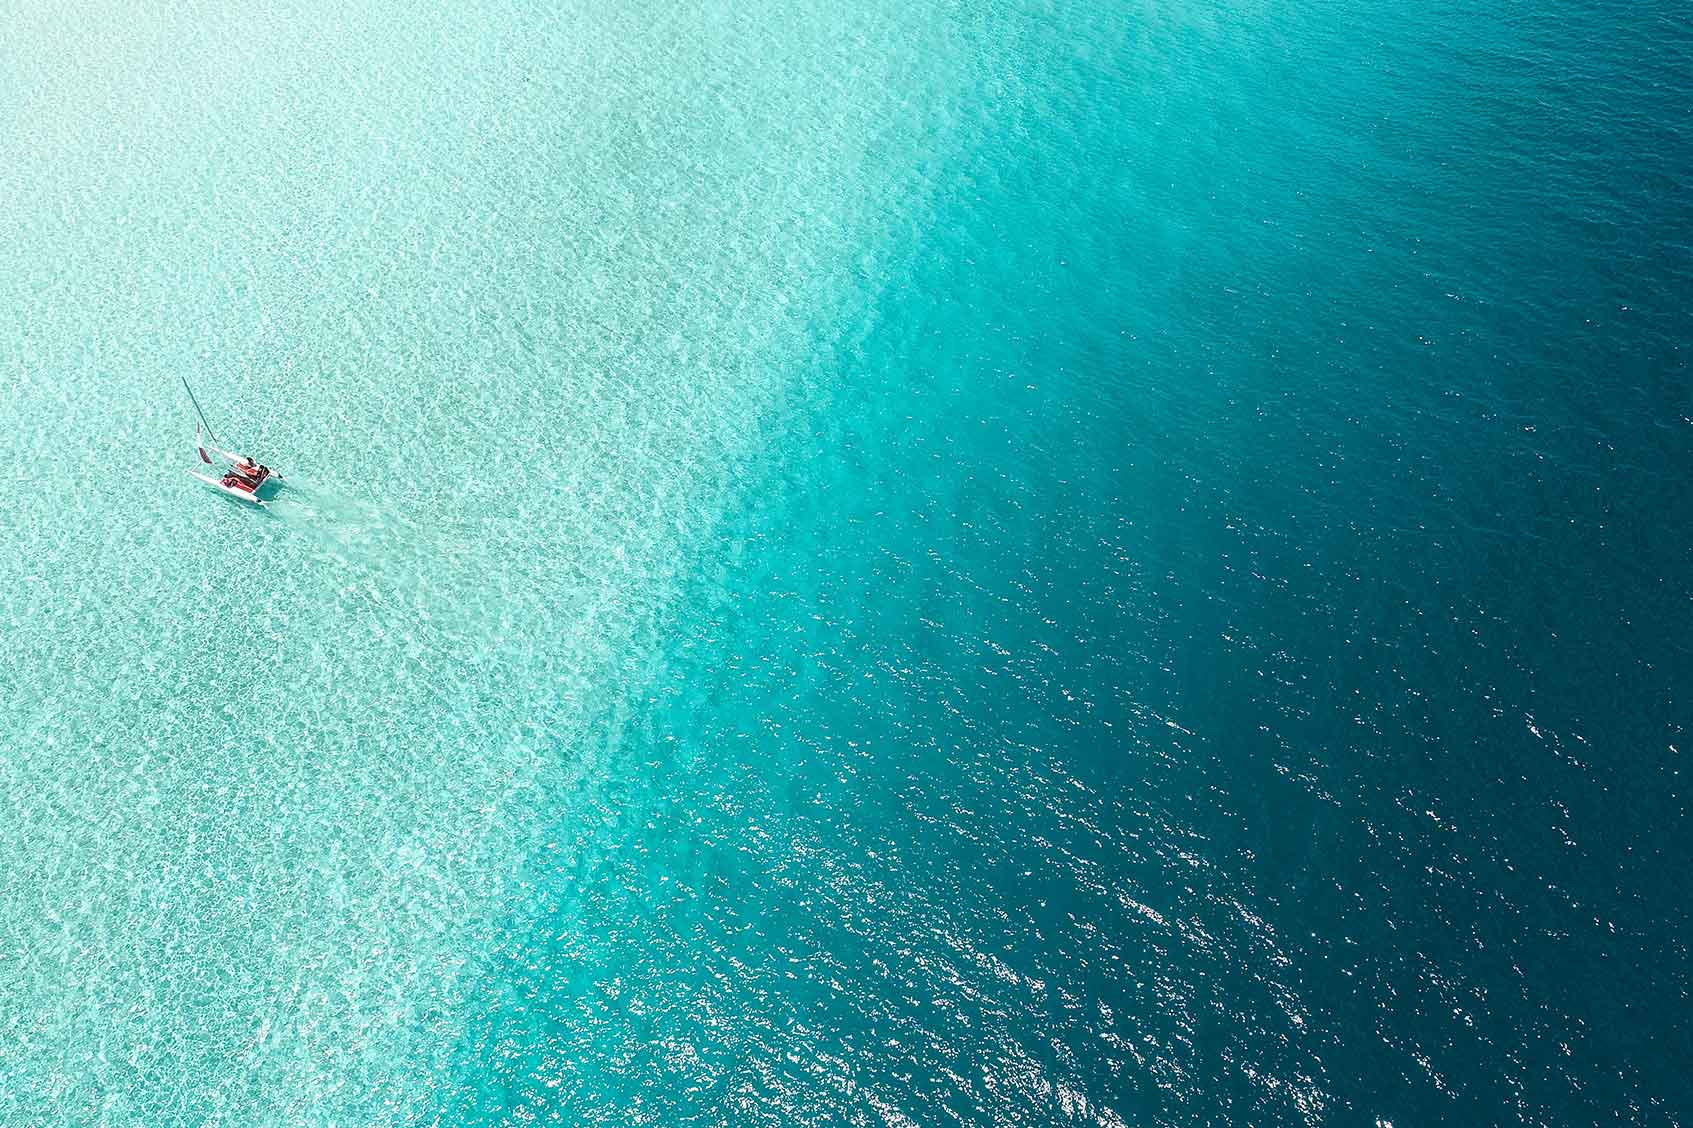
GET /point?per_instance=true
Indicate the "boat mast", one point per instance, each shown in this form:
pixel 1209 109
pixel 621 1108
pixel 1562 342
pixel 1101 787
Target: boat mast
pixel 197 410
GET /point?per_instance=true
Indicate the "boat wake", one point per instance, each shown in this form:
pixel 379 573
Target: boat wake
pixel 393 561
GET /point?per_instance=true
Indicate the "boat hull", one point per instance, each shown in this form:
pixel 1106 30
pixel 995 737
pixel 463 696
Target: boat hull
pixel 248 496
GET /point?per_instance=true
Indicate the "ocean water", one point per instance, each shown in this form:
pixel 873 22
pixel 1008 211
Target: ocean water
pixel 988 564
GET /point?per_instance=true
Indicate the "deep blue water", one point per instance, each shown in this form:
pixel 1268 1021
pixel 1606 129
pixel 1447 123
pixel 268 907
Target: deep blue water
pixel 1212 644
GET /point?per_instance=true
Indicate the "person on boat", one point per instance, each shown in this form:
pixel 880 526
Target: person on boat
pixel 248 469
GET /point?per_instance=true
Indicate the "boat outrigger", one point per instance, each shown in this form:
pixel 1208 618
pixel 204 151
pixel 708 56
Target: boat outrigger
pixel 242 478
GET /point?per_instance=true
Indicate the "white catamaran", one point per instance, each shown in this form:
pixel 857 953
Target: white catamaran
pixel 242 477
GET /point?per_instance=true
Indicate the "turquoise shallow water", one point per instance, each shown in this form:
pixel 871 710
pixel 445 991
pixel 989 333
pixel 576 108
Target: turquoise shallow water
pixel 1119 565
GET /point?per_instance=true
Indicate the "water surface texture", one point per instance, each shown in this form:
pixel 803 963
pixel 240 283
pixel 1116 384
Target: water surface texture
pixel 873 564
